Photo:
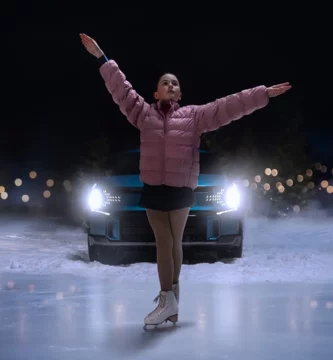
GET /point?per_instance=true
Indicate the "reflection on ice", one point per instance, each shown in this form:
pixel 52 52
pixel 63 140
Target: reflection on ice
pixel 275 303
pixel 105 318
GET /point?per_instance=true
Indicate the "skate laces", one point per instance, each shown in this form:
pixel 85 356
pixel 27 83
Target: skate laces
pixel 161 298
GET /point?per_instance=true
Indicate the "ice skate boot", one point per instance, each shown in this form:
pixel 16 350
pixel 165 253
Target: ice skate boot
pixel 175 289
pixel 166 310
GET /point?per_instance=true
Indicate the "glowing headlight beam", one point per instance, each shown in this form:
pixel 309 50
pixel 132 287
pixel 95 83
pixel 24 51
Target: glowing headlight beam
pixel 232 198
pixel 225 211
pixel 95 199
pixel 101 212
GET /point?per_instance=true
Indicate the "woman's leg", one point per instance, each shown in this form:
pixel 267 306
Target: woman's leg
pixel 160 224
pixel 178 219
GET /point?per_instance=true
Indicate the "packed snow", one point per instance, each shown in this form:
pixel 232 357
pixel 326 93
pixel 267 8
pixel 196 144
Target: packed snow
pixel 288 250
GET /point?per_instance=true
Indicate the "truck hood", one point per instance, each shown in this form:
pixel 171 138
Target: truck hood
pixel 133 181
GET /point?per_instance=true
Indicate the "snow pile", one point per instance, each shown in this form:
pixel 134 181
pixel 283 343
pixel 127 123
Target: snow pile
pixel 289 250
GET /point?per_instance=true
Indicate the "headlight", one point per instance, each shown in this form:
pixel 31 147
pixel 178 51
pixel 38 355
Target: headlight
pixel 101 199
pixel 95 199
pixel 232 197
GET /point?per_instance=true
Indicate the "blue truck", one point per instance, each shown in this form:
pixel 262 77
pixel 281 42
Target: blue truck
pixel 117 225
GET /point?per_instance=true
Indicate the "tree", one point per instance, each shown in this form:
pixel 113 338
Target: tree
pixel 246 153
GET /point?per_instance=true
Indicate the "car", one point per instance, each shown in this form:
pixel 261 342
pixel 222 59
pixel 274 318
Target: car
pixel 118 228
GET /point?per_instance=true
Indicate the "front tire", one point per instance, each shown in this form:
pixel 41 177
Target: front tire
pixel 91 249
pixel 238 251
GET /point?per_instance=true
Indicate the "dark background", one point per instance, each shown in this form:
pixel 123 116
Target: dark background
pixel 56 101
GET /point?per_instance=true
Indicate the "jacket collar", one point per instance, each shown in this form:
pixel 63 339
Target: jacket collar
pixel 172 103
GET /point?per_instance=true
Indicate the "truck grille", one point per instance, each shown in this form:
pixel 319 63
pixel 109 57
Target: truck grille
pixel 134 227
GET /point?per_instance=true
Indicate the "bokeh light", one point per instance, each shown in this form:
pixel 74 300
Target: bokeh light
pixel 309 172
pixel 329 305
pixel 314 304
pixel 49 182
pixel 254 186
pixel 311 185
pixel 323 168
pixel 290 182
pixel 300 178
pixel 32 174
pixel 25 198
pixel 324 184
pixel 281 189
pixel 257 179
pixel 10 284
pixel 267 186
pixel 330 189
pixel 68 185
pixel 47 194
pixel 268 171
pixel 18 182
pixel 278 184
pixel 60 296
pixel 2 189
pixel 4 195
pixel 275 172
pixel 72 289
pixel 296 209
pixel 246 183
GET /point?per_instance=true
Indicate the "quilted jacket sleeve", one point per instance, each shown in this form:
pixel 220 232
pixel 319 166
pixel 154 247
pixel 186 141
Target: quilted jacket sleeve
pixel 130 103
pixel 221 112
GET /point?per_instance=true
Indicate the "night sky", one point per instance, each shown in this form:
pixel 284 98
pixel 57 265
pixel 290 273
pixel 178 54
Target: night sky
pixel 58 101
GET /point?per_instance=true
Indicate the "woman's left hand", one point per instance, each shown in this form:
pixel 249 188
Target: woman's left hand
pixel 279 89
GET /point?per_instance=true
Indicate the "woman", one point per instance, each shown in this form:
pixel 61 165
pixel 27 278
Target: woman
pixel 169 159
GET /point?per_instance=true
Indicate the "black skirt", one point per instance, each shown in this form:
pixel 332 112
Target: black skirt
pixel 166 198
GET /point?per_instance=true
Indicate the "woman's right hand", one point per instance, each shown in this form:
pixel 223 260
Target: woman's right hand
pixel 91 45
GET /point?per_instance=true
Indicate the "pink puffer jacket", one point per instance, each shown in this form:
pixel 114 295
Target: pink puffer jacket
pixel 169 150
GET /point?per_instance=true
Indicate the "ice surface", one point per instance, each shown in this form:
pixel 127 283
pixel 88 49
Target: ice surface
pixel 69 317
pixel 296 250
pixel 274 303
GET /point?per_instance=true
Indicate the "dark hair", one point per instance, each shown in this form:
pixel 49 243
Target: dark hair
pixel 166 73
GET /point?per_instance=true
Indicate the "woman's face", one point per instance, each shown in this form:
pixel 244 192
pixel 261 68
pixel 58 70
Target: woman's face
pixel 168 88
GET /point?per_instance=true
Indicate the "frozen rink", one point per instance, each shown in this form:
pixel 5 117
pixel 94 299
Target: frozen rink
pixel 276 302
pixel 70 317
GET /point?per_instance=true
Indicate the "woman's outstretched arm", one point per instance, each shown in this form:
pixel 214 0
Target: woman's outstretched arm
pixel 221 112
pixel 130 103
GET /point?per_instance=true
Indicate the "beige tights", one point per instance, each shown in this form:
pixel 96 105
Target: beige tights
pixel 168 228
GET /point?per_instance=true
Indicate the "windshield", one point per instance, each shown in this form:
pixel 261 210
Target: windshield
pixel 127 163
pixel 209 164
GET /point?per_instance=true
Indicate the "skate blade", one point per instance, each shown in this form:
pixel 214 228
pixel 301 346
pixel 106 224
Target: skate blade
pixel 173 319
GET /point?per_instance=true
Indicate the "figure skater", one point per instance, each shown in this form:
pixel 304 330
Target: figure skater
pixel 169 159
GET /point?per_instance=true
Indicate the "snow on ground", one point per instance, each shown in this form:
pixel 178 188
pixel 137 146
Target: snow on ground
pixel 289 250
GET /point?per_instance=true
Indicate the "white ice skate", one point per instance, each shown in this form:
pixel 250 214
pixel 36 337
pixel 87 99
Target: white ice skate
pixel 166 310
